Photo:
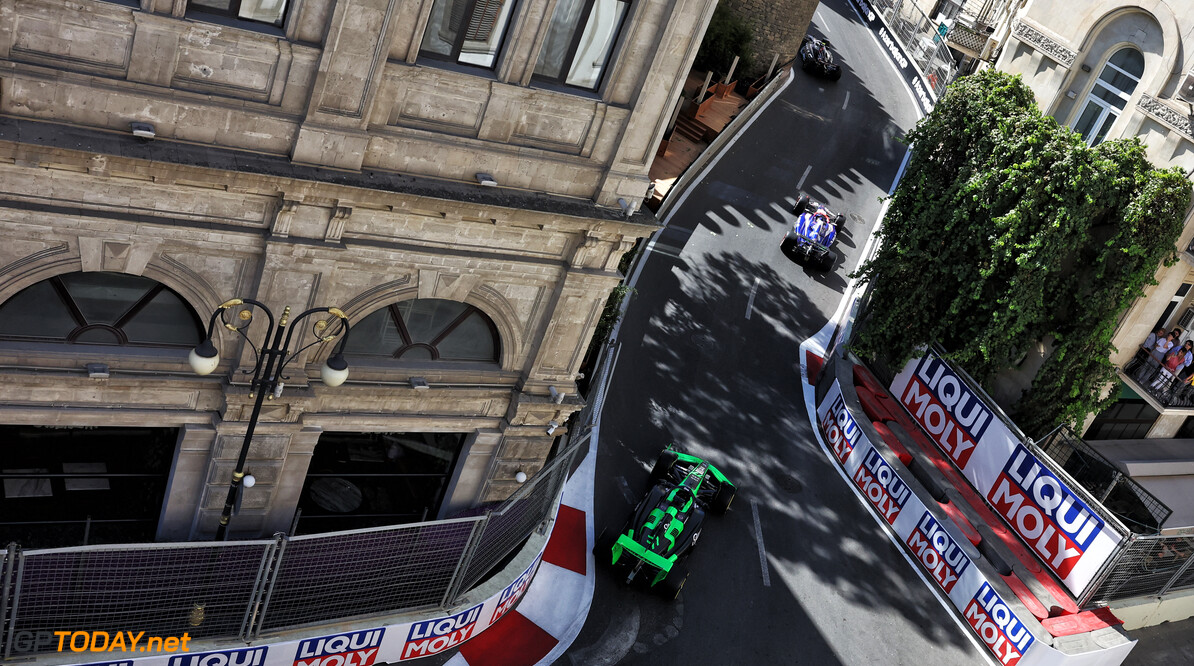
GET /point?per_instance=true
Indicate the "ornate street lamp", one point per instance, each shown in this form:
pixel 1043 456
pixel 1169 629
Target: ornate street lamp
pixel 267 371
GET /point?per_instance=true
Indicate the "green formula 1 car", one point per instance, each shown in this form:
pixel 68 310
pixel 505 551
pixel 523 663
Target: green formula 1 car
pixel 667 522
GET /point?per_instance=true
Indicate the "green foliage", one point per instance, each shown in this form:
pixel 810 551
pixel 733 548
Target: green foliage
pixel 1006 229
pixel 610 315
pixel 728 35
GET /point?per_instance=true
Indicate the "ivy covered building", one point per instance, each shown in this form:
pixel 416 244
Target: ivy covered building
pixel 1112 69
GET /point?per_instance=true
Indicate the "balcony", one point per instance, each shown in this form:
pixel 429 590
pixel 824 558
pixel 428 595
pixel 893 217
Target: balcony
pixel 1159 389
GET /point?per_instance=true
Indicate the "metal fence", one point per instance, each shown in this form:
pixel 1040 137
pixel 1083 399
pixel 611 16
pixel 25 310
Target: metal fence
pixel 919 36
pixel 1137 508
pixel 240 589
pixel 1147 566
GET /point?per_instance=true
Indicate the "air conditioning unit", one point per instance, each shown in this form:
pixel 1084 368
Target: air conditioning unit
pixel 1187 318
pixel 1186 92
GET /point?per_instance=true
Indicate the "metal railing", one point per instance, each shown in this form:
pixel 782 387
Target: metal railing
pixel 1162 386
pixel 1146 566
pixel 1135 506
pixel 913 28
pixel 241 589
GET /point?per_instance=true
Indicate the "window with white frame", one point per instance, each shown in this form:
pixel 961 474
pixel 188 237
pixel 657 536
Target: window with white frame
pixel 469 32
pixel 272 12
pixel 1109 95
pixel 580 38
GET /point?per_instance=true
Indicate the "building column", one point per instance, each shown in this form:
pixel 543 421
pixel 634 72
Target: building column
pixel 186 484
pixel 1166 426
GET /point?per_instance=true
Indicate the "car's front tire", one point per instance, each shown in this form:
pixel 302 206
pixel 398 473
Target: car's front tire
pixel 663 464
pixel 723 498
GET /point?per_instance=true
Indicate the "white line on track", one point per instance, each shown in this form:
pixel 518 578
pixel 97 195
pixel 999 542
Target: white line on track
pixel 806 170
pixel 754 508
pixel 847 100
pixel 750 302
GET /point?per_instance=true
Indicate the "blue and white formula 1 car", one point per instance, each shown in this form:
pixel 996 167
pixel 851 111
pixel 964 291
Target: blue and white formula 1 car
pixel 811 238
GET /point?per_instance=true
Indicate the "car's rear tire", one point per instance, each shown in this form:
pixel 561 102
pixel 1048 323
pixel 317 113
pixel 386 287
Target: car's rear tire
pixel 806 64
pixel 801 205
pixel 603 545
pixel 723 498
pixel 671 586
pixel 827 260
pixel 663 463
pixel 834 73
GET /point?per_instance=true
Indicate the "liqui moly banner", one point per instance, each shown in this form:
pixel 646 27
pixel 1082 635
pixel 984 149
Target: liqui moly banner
pixel 935 543
pixel 938 546
pixel 364 647
pixel 1048 513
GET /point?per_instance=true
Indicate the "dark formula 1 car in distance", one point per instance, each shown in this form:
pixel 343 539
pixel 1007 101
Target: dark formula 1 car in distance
pixel 815 58
pixel 811 238
pixel 667 522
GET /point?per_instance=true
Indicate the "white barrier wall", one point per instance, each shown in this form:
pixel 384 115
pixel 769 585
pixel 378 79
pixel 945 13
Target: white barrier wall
pixel 1047 512
pixel 1011 634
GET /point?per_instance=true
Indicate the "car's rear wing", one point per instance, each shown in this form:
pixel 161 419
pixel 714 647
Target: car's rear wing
pixel 626 544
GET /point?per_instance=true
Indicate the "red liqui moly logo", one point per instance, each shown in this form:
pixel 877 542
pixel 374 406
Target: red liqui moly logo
pixel 242 657
pixel 1000 630
pixel 358 648
pixel 937 552
pixel 840 430
pixel 946 408
pixel 1044 511
pixel 881 485
pixel 435 636
pixel 513 592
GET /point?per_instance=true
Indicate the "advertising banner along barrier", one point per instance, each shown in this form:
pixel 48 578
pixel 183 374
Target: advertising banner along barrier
pixel 939 548
pixel 1049 513
pixel 899 55
pixel 366 647
pixel 934 545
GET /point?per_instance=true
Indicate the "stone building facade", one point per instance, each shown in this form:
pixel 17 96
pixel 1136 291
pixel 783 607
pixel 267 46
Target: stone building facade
pixel 311 153
pixel 1112 69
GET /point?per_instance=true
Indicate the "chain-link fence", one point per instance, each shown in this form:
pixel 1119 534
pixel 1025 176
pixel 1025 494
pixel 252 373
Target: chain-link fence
pixel 516 518
pixel 203 589
pixel 920 38
pixel 1147 565
pixel 240 589
pixel 1137 508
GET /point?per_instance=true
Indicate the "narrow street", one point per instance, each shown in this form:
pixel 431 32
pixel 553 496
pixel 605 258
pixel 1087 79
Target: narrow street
pixel 708 360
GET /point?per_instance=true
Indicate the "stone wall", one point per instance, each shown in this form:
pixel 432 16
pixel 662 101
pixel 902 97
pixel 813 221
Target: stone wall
pixel 778 26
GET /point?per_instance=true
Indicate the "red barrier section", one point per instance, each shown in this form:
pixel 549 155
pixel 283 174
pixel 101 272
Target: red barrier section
pixel 1026 596
pixel 893 442
pixel 814 364
pixel 956 515
pixel 567 547
pixel 1080 623
pixel 872 406
pixel 513 641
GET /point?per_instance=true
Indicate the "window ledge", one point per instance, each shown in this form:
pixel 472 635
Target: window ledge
pixel 239 24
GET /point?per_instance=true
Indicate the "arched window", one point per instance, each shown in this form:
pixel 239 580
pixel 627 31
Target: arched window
pixel 1109 94
pixel 101 309
pixel 426 329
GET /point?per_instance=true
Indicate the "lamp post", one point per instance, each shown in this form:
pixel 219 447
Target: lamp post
pixel 267 371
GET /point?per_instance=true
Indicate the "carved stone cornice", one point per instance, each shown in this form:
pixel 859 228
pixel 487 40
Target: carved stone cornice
pixel 1167 115
pixel 1045 44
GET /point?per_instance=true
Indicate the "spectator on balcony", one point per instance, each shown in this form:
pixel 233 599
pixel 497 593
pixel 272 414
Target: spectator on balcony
pixel 1157 345
pixel 1175 362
